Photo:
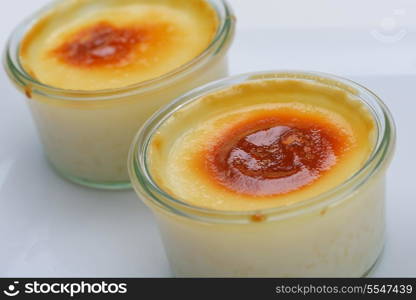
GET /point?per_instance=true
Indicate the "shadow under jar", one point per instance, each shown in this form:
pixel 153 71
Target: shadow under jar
pixel 275 174
pixel 95 71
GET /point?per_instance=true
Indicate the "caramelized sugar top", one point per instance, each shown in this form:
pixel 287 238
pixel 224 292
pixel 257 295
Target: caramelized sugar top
pixel 97 45
pixel 275 154
pixel 262 144
pixel 102 44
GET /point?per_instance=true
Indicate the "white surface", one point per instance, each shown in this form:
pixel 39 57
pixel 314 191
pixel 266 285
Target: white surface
pixel 50 227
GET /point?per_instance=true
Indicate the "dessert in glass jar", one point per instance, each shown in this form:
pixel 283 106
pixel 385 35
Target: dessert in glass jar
pixel 274 174
pixel 94 71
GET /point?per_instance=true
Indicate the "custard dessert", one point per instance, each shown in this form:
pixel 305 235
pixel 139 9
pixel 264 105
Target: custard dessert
pixel 268 175
pixel 96 70
pixel 261 145
pixel 97 45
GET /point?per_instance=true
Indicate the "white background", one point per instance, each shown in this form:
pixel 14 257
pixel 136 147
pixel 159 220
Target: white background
pixel 49 227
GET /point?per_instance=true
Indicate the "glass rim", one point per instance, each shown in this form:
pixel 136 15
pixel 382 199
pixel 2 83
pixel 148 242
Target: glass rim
pixel 148 189
pixel 15 70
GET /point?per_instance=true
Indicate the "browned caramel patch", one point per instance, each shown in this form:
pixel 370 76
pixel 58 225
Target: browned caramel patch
pixel 28 92
pixel 257 218
pixel 275 153
pixel 102 44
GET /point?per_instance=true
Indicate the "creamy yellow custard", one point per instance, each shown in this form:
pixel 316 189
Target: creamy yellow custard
pixel 116 43
pixel 96 70
pixel 260 145
pixel 268 175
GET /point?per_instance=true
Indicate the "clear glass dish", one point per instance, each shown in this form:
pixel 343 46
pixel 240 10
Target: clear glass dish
pixel 339 233
pixel 87 134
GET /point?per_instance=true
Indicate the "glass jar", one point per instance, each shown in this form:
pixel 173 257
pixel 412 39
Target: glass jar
pixel 87 134
pixel 339 233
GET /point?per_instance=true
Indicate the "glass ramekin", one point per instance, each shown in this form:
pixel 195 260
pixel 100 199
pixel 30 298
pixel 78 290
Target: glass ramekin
pixel 337 234
pixel 87 134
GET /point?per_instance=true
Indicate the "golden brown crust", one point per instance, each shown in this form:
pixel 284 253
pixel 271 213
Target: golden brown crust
pixel 191 153
pixel 275 153
pixel 107 45
pixel 78 45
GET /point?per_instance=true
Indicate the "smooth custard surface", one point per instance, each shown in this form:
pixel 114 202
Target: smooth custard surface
pixel 95 45
pixel 262 144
